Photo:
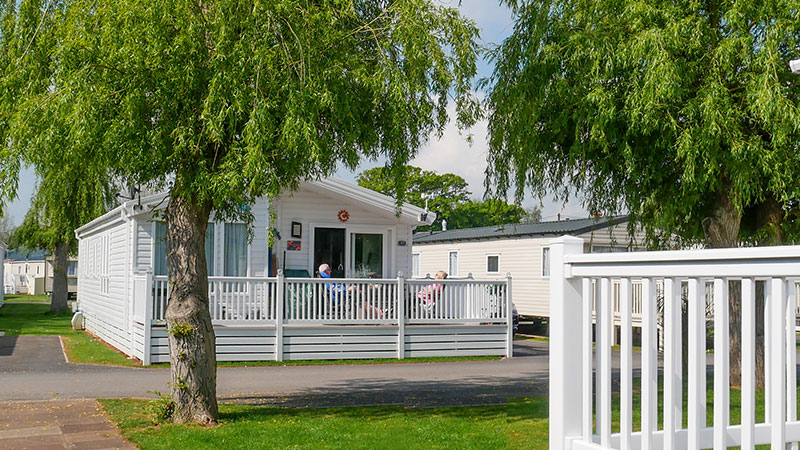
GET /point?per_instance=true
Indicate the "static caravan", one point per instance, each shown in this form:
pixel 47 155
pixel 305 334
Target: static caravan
pixel 267 302
pixel 3 249
pixel 520 250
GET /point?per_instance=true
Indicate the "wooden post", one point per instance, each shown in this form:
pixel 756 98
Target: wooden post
pixel 148 317
pixel 565 343
pixel 509 318
pixel 279 303
pixel 401 304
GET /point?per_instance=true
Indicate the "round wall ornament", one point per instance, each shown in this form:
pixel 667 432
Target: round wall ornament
pixel 344 216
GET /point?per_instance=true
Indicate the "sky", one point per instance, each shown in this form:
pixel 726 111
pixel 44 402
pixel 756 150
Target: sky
pixel 450 154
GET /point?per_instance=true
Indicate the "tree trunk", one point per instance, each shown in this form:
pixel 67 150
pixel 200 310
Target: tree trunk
pixel 722 231
pixel 191 336
pixel 58 299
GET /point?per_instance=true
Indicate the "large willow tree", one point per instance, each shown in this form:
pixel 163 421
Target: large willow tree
pixel 682 113
pixel 226 101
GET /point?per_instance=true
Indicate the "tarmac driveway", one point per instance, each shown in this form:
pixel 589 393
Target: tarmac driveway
pixel 33 368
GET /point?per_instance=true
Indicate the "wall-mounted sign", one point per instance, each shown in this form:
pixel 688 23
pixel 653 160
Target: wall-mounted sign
pixel 297 229
pixel 293 245
pixel 344 216
pixel 401 243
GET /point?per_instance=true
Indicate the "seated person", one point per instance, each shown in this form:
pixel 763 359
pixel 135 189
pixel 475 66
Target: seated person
pixel 431 292
pixel 335 289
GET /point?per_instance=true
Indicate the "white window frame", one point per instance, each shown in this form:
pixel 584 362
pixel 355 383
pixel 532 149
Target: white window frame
pixel 458 263
pixel 545 274
pixel 389 245
pixel 217 248
pixel 489 255
pixel 419 264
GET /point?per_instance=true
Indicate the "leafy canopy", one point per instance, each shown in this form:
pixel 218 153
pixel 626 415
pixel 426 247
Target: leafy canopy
pixel 447 195
pixel 227 101
pixel 666 109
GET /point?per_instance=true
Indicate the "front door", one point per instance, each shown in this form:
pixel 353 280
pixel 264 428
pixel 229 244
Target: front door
pixel 329 246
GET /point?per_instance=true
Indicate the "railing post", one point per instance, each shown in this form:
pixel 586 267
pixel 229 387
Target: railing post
pixel 148 317
pixel 509 318
pixel 565 344
pixel 401 320
pixel 279 303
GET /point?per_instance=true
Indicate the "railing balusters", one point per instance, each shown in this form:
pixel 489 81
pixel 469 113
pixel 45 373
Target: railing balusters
pixel 748 403
pixel 586 325
pixel 791 354
pixel 649 406
pixel 604 328
pixel 672 362
pixel 697 365
pixel 777 300
pixel 721 366
pixel 626 365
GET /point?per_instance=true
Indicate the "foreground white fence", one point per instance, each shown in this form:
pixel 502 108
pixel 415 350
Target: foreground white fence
pixel 304 318
pixel 582 418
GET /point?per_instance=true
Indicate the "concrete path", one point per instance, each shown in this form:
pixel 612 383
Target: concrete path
pixel 57 424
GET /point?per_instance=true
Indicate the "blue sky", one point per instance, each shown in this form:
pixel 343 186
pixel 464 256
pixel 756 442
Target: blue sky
pixel 452 153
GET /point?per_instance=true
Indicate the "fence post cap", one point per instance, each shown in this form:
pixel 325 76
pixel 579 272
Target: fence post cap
pixel 508 274
pixel 566 239
pixel 399 274
pixel 280 272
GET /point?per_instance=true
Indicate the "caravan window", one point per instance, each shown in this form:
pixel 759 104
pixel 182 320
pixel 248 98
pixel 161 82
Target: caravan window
pixel 160 249
pixel 453 264
pixel 235 256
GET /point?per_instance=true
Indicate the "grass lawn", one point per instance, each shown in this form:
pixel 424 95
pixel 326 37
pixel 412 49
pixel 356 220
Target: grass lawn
pixel 520 424
pixel 23 298
pixel 523 423
pixel 36 320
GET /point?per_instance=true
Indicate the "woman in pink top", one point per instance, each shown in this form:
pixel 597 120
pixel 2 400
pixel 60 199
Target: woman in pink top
pixel 431 292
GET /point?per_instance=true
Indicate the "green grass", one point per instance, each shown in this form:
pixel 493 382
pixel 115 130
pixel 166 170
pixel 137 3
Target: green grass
pixel 23 298
pixel 525 337
pixel 36 320
pixel 520 424
pixel 523 423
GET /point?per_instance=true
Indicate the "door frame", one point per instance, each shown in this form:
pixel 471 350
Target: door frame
pixel 387 231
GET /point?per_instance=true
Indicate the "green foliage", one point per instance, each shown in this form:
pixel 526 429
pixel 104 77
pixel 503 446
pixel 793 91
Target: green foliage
pixel 162 408
pixel 483 214
pixel 180 330
pixel 668 110
pixel 447 195
pixel 231 101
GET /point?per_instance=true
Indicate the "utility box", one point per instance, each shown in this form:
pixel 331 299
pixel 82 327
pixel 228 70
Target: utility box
pixel 77 321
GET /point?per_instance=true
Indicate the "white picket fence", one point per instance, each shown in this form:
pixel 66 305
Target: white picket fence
pixel 582 418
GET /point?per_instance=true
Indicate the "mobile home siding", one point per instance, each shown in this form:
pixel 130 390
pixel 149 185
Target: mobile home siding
pixel 102 292
pixel 521 256
pixel 311 208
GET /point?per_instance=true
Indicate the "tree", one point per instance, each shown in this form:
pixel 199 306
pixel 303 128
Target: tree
pixel 446 194
pixel 441 193
pixel 66 198
pixel 484 213
pixel 228 101
pixel 683 114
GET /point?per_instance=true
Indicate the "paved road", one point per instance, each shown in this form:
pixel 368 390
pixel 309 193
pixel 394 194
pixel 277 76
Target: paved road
pixel 33 368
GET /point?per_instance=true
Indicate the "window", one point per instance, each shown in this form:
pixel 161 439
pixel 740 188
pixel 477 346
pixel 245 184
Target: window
pixel 453 264
pixel 415 258
pixel 367 255
pixel 492 263
pixel 235 252
pixel 545 262
pixel 72 268
pixel 160 249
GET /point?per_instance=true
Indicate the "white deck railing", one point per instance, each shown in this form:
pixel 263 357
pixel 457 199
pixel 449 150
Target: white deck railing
pixel 348 301
pixel 581 418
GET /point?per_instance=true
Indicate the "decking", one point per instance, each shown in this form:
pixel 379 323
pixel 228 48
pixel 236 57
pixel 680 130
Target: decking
pixel 281 318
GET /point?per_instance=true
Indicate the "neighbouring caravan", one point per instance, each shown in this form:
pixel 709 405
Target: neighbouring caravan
pixel 520 250
pixel 3 249
pixel 266 302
